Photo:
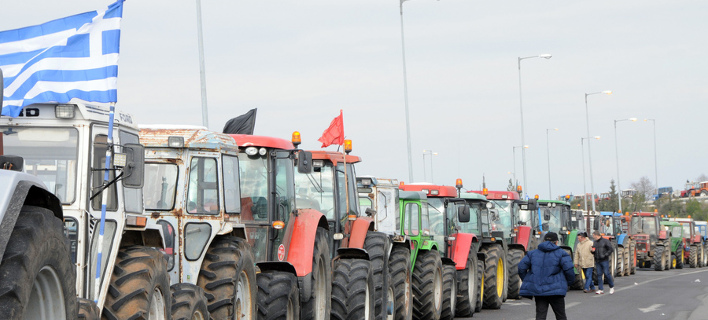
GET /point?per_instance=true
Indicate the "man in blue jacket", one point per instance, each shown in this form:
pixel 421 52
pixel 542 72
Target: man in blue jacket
pixel 546 274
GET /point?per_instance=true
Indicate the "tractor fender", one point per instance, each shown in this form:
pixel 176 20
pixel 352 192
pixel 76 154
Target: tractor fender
pixel 523 236
pixel 352 253
pixel 620 239
pixel 17 190
pixel 564 247
pixel 461 249
pixel 283 266
pixel 360 228
pixel 302 229
pixel 517 246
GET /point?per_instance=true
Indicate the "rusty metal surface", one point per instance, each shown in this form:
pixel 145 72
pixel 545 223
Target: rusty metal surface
pixel 333 156
pixel 197 138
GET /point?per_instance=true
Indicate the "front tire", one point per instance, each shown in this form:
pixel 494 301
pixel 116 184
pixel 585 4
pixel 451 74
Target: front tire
pixel 140 286
pixel 494 280
pixel 619 268
pixel 228 278
pixel 37 264
pixel 480 286
pixel 693 257
pixel 515 256
pixel 427 286
pixel 88 310
pixel 278 297
pixel 377 245
pixel 659 258
pixel 352 290
pixel 680 258
pixel 400 271
pixel 188 302
pixel 449 302
pixel 316 300
pixel 468 286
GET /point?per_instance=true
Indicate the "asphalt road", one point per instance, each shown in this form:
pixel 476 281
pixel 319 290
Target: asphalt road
pixel 646 295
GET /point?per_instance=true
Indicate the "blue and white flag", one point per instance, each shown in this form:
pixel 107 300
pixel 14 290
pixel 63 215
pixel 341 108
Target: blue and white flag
pixel 72 57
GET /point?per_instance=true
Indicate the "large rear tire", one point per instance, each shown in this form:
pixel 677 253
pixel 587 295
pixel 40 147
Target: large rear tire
pixel 449 302
pixel 515 256
pixel 427 286
pixel 480 286
pixel 377 245
pixel 37 264
pixel 659 258
pixel 278 297
pixel 352 290
pixel 316 287
pixel 680 257
pixel 140 286
pixel 632 257
pixel 619 267
pixel 467 286
pixel 578 283
pixel 228 277
pixel 494 275
pixel 400 271
pixel 188 302
pixel 693 256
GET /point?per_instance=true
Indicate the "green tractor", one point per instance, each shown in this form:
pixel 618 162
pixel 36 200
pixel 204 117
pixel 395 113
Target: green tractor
pixel 556 216
pixel 422 281
pixel 678 243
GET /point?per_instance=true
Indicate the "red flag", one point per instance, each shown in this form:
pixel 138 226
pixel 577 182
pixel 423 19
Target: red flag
pixel 335 133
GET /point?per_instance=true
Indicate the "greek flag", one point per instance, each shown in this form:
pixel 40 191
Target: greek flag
pixel 72 57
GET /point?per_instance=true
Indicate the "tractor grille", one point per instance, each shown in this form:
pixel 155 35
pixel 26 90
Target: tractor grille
pixel 642 243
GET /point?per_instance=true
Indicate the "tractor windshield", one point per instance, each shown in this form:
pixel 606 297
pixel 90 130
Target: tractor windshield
pixel 254 187
pixel 676 232
pixel 505 209
pixel 644 225
pixel 160 186
pixel 551 218
pixel 316 190
pixel 436 209
pixel 50 154
pixel 686 229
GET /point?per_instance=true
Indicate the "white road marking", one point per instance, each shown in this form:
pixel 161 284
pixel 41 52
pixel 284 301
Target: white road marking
pixel 572 304
pixel 651 308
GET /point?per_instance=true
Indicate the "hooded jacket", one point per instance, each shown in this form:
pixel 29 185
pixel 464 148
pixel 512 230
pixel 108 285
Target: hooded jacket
pixel 546 271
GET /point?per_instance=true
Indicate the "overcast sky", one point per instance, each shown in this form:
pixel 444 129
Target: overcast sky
pixel 299 62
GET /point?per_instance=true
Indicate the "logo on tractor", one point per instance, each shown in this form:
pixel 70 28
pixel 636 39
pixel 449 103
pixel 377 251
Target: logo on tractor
pixel 281 252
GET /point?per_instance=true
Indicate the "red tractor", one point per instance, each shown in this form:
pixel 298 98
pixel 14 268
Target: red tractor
pixel 331 188
pixel 652 242
pixel 290 245
pixel 518 223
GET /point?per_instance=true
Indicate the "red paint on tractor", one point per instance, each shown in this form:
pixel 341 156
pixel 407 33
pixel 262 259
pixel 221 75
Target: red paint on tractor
pixel 247 140
pixel 523 236
pixel 461 249
pixel 302 241
pixel 442 191
pixel 358 233
pixel 334 157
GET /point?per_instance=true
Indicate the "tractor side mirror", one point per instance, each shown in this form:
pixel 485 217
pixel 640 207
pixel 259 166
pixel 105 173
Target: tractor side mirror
pixel 596 224
pixel 134 166
pixel 493 215
pixel 546 214
pixel 533 204
pixel 370 212
pixel 463 214
pixel 304 161
pixel 544 226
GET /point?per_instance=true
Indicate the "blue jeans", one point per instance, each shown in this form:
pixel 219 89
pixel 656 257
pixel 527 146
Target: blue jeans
pixel 603 268
pixel 589 285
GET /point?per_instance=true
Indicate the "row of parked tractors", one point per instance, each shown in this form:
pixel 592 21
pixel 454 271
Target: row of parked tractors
pixel 187 223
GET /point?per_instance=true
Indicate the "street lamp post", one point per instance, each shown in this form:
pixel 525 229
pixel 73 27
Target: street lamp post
pixel 656 170
pixel 585 193
pixel 587 120
pixel 548 154
pixel 521 112
pixel 513 150
pixel 431 153
pixel 618 163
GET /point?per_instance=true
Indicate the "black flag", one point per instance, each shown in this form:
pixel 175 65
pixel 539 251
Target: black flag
pixel 243 124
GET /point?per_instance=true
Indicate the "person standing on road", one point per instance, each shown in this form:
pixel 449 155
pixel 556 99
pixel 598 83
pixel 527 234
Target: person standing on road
pixel 603 249
pixel 547 272
pixel 585 260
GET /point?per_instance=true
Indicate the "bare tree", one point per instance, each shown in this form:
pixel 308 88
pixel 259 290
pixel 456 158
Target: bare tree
pixel 702 178
pixel 644 187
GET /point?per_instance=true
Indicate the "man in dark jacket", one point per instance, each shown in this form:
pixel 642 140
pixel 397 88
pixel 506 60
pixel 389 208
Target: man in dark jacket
pixel 603 250
pixel 546 274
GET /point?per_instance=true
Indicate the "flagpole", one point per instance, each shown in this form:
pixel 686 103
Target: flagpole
pixel 202 72
pixel 104 200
